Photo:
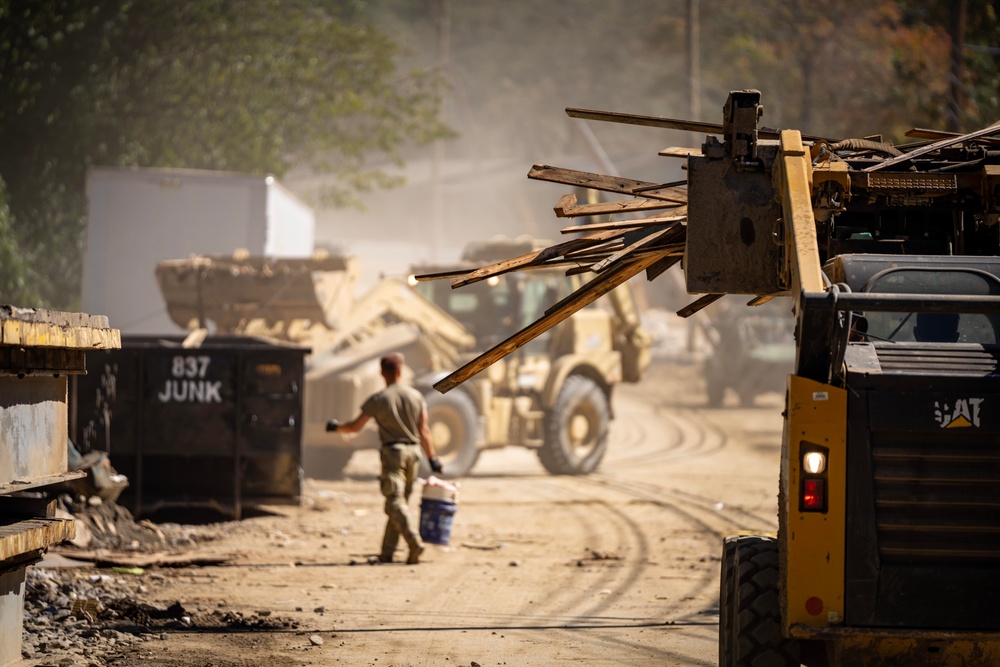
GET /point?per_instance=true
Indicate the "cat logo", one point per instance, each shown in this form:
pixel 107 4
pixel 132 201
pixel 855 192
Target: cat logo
pixel 963 414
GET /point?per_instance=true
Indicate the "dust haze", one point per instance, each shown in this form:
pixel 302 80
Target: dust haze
pixel 512 69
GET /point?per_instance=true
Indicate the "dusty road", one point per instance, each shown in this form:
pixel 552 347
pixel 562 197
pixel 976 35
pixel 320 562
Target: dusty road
pixel 615 568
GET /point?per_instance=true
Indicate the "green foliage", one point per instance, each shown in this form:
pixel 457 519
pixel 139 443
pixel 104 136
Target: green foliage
pixel 15 278
pixel 828 67
pixel 250 86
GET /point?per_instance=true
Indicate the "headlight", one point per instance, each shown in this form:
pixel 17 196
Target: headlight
pixel 814 463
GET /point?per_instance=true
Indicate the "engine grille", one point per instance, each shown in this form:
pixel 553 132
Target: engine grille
pixel 966 360
pixel 937 498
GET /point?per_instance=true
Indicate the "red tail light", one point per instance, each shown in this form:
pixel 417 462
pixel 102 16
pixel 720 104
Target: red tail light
pixel 813 495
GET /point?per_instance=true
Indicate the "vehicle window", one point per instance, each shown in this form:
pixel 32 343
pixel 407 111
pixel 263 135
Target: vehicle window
pixel 934 327
pixel 540 295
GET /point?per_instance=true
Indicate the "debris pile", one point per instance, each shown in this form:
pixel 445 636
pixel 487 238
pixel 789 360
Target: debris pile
pixel 106 525
pixel 82 617
pixel 71 614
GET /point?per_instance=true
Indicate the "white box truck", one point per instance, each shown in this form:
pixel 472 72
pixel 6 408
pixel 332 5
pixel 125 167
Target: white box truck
pixel 140 217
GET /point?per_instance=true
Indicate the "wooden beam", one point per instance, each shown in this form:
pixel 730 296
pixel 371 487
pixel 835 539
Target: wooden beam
pixel 584 296
pixel 565 203
pixel 533 257
pixel 761 299
pixel 678 151
pixel 935 135
pixel 937 145
pixel 669 123
pixel 599 251
pixel 661 266
pixel 442 275
pixel 924 133
pixel 695 306
pixel 610 208
pixel 633 247
pixel 645 121
pixel 624 224
pixel 621 185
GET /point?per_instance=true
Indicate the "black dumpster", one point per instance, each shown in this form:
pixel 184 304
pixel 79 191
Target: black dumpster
pixel 218 425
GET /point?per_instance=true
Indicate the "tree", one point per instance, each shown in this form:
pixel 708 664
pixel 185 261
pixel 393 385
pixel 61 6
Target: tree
pixel 15 279
pixel 828 67
pixel 979 99
pixel 252 85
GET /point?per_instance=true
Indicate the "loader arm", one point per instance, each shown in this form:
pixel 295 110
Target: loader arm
pixel 394 300
pixel 801 268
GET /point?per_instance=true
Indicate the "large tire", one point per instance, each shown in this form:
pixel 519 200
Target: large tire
pixel 576 428
pixel 715 382
pixel 453 422
pixel 749 607
pixel 715 387
pixel 726 593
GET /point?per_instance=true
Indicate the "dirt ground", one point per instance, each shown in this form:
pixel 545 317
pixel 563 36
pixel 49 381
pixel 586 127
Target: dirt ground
pixel 617 567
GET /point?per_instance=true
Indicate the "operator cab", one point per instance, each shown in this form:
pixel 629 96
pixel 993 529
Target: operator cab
pixel 494 309
pixel 892 274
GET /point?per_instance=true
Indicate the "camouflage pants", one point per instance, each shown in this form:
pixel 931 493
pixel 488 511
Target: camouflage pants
pixel 399 472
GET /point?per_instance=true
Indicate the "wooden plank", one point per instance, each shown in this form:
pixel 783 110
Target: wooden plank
pixel 533 257
pixel 610 208
pixel 935 135
pixel 621 185
pixel 605 247
pixel 631 248
pixel 679 151
pixel 660 251
pixel 42 480
pixel 695 306
pixel 668 123
pixel 645 121
pixel 937 145
pixel 442 275
pixel 761 299
pixel 661 266
pixel 577 270
pixel 924 133
pixel 624 224
pixel 584 296
pixel 32 535
pixel 565 203
pixel 670 255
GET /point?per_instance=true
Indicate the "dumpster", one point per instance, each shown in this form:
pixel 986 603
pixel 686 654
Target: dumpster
pixel 217 425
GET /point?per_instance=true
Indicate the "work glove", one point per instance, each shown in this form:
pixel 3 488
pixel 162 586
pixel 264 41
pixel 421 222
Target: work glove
pixel 332 426
pixel 436 465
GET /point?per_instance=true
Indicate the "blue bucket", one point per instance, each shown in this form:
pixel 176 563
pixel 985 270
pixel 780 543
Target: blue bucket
pixel 435 520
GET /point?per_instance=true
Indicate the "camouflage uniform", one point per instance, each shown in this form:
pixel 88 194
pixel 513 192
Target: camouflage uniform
pixel 396 409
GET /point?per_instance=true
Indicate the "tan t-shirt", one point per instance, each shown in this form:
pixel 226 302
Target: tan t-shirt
pixel 396 409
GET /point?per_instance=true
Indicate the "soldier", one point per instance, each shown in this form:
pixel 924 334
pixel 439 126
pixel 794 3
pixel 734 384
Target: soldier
pixel 401 415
